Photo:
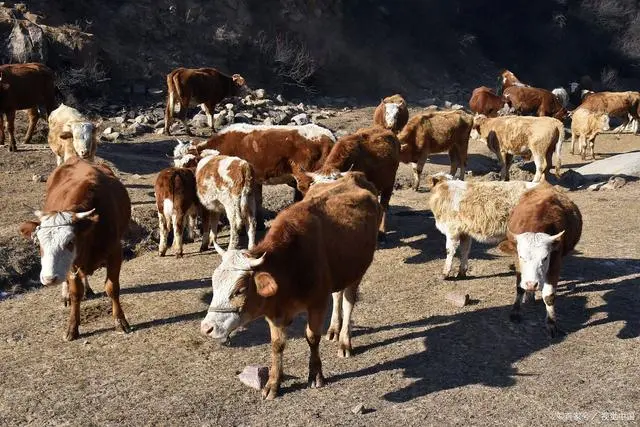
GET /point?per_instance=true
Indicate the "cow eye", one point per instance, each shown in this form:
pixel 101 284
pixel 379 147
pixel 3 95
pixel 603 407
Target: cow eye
pixel 69 246
pixel 237 293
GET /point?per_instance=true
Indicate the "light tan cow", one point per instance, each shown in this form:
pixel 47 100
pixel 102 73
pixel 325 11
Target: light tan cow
pixel 517 135
pixel 71 134
pixel 585 126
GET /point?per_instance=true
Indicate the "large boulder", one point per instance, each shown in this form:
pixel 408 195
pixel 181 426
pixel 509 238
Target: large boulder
pixel 626 165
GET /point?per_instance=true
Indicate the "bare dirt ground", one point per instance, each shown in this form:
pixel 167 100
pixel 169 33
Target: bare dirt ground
pixel 419 360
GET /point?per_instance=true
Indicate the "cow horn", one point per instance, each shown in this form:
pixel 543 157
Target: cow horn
pixel 256 262
pixel 218 249
pixel 81 215
pixel 510 233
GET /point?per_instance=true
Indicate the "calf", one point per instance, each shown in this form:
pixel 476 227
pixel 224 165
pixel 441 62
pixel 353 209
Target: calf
pixel 533 100
pixel 512 135
pixel 86 213
pixel 225 184
pixel 543 228
pixel 374 151
pixel 471 210
pixel 485 101
pixel 585 126
pixel 391 113
pixel 205 86
pixel 624 105
pixel 321 245
pixel 71 134
pixel 176 198
pixel 436 132
pixel 24 87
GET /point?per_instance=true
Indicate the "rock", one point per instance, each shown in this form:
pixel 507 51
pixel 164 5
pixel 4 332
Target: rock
pixel 199 120
pixel 627 164
pixel 457 299
pixel 38 178
pixel 113 136
pixel 154 91
pixel 596 186
pixel 242 118
pixel 229 106
pixel 358 409
pixel 254 376
pixel 259 93
pixel 279 117
pixel 572 179
pixel 457 107
pixel 136 176
pixel 447 104
pixel 300 119
pixel 614 183
pixel 268 121
pixel 159 124
pixel 300 106
pixel 219 120
pixel 107 131
pixel 280 99
pixel 491 176
pixel 138 128
pixel 119 120
pixel 160 131
pixel 141 119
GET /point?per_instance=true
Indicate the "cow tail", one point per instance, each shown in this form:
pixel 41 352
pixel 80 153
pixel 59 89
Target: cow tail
pixel 559 149
pixel 172 191
pixel 177 92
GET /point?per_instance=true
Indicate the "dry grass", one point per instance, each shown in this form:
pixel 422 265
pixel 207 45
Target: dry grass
pixel 418 359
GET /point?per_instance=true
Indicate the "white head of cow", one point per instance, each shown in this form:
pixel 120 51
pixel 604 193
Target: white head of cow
pixel 56 234
pixel 82 138
pixel 534 253
pixel 234 282
pixel 391 111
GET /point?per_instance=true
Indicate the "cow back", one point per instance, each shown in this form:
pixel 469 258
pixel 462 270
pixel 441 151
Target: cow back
pixel 25 86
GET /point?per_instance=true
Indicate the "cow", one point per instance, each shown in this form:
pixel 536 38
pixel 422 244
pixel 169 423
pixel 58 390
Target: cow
pixel 71 134
pixel 226 184
pixel 484 101
pixel 278 154
pixel 471 210
pixel 623 105
pixel 321 245
pixel 205 86
pixel 585 126
pixel 24 87
pixel 532 100
pixel 507 79
pixel 85 215
pixel 543 228
pixel 392 113
pixel 435 132
pixel 176 201
pixel 375 152
pixel 514 135
pixel 562 96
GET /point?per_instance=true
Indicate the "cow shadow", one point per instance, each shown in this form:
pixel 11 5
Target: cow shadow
pixel 181 285
pixel 140 157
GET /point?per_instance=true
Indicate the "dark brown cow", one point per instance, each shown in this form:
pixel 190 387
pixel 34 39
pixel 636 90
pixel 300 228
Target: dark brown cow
pixel 392 113
pixel 507 79
pixel 86 213
pixel 206 86
pixel 24 87
pixel 544 227
pixel 176 198
pixel 321 245
pixel 374 151
pixel 533 100
pixel 484 101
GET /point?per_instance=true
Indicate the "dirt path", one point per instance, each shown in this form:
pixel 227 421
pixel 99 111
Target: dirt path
pixel 418 359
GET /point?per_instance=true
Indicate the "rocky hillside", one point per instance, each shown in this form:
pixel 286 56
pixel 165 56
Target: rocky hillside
pixel 428 50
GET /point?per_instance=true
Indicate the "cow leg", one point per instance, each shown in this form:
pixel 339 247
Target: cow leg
pixel 191 226
pixel 112 289
pixel 33 117
pixel 592 143
pixel 88 292
pixel 168 115
pixel 178 232
pixel 1 129
pixel 164 232
pixel 385 196
pixel 417 171
pixel 515 316
pixel 257 192
pixel 184 105
pixel 549 297
pixel 64 290
pixel 334 327
pixel 278 343
pixel 454 161
pixel 206 229
pixel 452 246
pixel 507 158
pixel 249 220
pixel 234 226
pixel 465 248
pixel 75 296
pixel 541 166
pixel 11 117
pixel 208 111
pixel 573 142
pixel 312 333
pixel 348 301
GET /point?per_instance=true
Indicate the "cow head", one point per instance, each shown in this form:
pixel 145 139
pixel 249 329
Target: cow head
pixel 478 121
pixel 57 234
pixel 534 254
pixel 239 293
pixel 82 135
pixel 240 85
pixel 435 179
pixel 391 111
pixel 185 155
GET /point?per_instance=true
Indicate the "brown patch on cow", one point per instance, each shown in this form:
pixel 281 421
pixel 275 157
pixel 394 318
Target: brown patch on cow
pixel 485 101
pixel 533 100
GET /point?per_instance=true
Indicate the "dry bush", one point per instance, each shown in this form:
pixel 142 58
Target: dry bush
pixel 290 59
pixel 609 78
pixel 83 81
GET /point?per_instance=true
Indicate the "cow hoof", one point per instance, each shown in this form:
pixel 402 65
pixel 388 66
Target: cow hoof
pixel 179 255
pixel 552 330
pixel 515 317
pixel 203 248
pixel 88 293
pixel 332 335
pixel 446 276
pixel 123 326
pixel 13 148
pixel 344 351
pixel 316 381
pixel 270 391
pixel 71 334
pixel 461 275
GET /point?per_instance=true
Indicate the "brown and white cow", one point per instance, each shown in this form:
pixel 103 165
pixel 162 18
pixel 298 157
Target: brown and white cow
pixel 205 86
pixel 322 245
pixel 71 134
pixel 375 152
pixel 515 135
pixel 225 184
pixel 543 228
pixel 507 79
pixel 471 210
pixel 392 113
pixel 623 105
pixel 24 87
pixel 85 215
pixel 176 201
pixel 435 132
pixel 485 101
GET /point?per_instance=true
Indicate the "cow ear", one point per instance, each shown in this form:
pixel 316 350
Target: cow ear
pixel 66 135
pixel 508 247
pixel 28 228
pixel 556 240
pixel 266 284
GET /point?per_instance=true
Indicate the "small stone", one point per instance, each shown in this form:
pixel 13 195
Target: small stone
pixel 160 131
pixel 229 106
pixel 38 178
pixel 113 136
pixel 254 376
pixel 614 183
pixel 447 104
pixel 268 121
pixel 596 186
pixel 159 124
pixel 107 131
pixel 457 299
pixel 259 93
pixel 300 119
pixel 119 120
pixel 136 176
pixel 358 409
pixel 280 99
pixel 141 119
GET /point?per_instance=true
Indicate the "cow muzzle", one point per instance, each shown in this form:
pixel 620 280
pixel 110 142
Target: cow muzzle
pixel 530 286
